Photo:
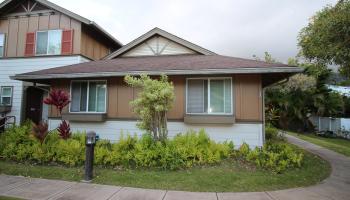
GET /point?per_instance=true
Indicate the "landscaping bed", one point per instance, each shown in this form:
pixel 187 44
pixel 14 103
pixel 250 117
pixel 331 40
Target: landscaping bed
pixel 190 162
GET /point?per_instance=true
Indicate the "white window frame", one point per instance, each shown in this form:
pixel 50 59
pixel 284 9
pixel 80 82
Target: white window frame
pixel 48 43
pixel 11 95
pixel 4 44
pixel 87 96
pixel 208 93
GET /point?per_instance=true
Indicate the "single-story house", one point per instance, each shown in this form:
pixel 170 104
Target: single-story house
pixel 224 95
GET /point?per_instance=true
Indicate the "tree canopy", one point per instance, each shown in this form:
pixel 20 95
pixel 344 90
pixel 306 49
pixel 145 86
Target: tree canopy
pixel 326 39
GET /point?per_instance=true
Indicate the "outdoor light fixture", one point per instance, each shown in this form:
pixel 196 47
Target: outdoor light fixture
pixel 89 156
pixel 90 138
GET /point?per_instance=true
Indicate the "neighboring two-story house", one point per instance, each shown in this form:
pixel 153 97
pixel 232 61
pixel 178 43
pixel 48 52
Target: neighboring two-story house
pixel 36 35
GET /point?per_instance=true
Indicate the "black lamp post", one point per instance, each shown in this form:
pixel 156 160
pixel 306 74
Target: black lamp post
pixel 89 156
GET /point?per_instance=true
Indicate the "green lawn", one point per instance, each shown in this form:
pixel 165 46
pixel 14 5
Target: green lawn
pixel 336 144
pixel 230 176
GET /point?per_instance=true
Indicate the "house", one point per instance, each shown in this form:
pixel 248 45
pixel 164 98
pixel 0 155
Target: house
pixel 224 95
pixel 35 35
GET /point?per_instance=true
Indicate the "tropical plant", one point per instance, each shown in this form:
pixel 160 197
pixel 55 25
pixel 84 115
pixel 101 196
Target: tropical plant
pixel 40 131
pixel 152 104
pixel 64 130
pixel 58 98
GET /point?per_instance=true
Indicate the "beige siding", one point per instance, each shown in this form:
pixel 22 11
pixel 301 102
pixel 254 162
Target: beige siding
pixel 12 38
pixel 177 112
pixel 248 97
pixel 246 89
pixel 54 22
pixel 91 47
pixel 33 23
pixel 44 22
pixel 23 29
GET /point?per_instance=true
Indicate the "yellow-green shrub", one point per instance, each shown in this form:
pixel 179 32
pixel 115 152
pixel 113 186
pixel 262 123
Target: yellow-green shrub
pixel 276 157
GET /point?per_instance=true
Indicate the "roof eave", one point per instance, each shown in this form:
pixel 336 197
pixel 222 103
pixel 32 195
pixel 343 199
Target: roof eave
pixel 257 70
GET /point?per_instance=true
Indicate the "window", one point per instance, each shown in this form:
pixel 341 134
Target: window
pixel 88 96
pixel 2 44
pixel 209 96
pixel 6 95
pixel 48 42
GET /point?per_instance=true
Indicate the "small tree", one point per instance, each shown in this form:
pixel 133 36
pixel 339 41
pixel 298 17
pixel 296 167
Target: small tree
pixel 153 103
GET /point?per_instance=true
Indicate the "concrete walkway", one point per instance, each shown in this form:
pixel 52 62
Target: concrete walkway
pixel 336 187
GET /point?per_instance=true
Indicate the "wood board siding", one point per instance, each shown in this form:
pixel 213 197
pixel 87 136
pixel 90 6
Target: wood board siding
pixel 248 97
pixel 246 90
pixel 91 47
pixel 15 30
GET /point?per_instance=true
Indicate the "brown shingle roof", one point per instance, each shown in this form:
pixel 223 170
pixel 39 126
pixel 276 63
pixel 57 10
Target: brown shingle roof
pixel 160 63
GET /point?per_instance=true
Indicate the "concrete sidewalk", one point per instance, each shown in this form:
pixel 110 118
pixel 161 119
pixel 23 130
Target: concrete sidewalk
pixel 336 187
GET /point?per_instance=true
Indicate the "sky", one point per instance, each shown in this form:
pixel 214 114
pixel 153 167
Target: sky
pixel 240 28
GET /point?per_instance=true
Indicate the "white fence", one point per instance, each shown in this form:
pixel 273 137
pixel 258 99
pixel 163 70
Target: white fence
pixel 339 126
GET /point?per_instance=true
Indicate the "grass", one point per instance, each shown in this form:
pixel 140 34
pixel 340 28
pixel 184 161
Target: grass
pixel 8 198
pixel 336 144
pixel 229 176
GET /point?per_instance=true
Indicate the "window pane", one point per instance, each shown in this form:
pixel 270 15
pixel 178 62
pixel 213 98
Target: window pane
pixel 6 91
pixel 92 97
pixel 195 96
pixel 75 104
pixel 6 100
pixel 55 38
pixel 83 97
pixel 216 96
pixel 2 44
pixel 2 40
pixel 41 43
pixel 101 97
pixel 228 96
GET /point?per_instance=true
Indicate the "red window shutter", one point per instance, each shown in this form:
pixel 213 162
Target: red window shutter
pixel 67 42
pixel 30 44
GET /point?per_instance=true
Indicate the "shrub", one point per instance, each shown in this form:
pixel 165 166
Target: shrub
pixel 183 151
pixel 70 152
pixel 272 133
pixel 274 156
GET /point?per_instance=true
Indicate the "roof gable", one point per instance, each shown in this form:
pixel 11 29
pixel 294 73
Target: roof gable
pixel 25 7
pixel 158 42
pixel 158 45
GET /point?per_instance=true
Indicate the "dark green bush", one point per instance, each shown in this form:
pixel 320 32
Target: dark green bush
pixel 274 156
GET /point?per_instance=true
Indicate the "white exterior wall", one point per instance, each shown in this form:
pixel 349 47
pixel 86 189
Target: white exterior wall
pixel 12 66
pixel 250 133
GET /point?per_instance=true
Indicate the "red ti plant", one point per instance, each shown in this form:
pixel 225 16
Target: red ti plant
pixel 40 131
pixel 64 130
pixel 58 98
